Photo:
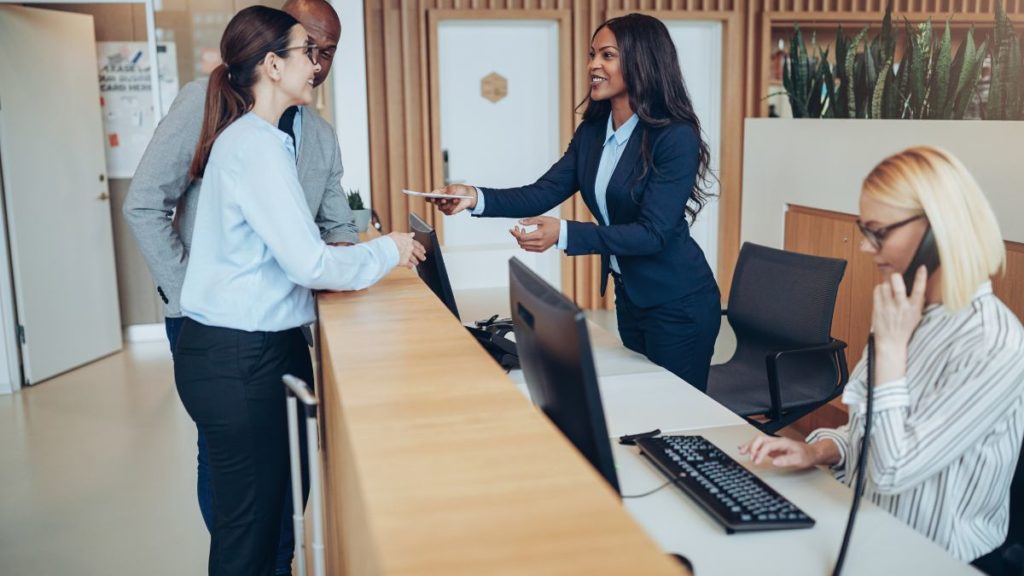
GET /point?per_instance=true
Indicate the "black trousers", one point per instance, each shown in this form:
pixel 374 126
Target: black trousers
pixel 678 335
pixel 230 383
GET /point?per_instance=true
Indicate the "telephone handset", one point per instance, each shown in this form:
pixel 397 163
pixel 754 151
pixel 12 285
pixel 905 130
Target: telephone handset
pixel 927 254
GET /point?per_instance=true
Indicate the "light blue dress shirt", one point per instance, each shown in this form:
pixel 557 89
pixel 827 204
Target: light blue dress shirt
pixel 614 143
pixel 256 252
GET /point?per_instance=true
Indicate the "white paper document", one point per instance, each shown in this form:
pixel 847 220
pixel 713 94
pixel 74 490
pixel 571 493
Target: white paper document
pixel 433 194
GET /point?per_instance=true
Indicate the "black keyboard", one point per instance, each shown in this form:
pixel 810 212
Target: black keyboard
pixel 730 493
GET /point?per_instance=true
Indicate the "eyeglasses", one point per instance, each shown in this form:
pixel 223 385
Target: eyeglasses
pixel 312 52
pixel 875 236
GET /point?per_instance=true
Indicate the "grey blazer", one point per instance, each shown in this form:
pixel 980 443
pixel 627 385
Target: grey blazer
pixel 161 203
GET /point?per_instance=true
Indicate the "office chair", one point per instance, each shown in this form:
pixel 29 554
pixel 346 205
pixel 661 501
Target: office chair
pixel 1008 558
pixel 786 363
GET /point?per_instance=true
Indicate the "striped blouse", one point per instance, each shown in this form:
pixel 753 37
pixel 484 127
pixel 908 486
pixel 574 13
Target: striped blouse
pixel 948 434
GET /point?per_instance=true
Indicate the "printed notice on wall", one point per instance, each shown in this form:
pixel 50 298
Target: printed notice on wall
pixel 126 99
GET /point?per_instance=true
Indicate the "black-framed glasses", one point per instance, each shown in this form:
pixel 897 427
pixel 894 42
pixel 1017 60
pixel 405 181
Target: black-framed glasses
pixel 875 236
pixel 312 51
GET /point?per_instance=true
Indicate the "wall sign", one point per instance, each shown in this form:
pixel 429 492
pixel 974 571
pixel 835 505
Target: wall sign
pixel 494 87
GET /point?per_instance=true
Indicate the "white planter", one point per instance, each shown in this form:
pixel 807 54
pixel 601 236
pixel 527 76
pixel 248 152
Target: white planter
pixel 821 164
pixel 362 218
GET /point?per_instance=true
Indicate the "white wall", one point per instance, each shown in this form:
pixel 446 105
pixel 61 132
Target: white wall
pixel 350 108
pixel 821 164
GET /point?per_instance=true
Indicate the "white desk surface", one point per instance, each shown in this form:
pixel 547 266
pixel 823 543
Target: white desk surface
pixel 642 402
pixel 880 545
pixel 639 396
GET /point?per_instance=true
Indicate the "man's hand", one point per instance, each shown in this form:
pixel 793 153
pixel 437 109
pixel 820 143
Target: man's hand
pixel 544 237
pixel 452 206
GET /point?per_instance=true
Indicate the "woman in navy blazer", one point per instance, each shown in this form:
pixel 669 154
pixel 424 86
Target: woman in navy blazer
pixel 640 162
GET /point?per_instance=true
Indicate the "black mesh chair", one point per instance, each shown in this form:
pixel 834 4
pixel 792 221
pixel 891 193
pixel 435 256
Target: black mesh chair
pixel 1008 559
pixel 786 362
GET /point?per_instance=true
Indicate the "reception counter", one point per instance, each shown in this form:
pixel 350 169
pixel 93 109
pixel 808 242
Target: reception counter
pixel 435 464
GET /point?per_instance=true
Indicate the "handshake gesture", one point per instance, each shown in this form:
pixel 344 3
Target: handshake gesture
pixel 538 240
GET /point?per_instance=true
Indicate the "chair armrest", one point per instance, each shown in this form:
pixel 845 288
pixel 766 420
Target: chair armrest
pixel 834 347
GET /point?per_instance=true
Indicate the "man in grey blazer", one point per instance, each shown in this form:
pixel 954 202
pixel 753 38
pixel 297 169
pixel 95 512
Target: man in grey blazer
pixel 161 203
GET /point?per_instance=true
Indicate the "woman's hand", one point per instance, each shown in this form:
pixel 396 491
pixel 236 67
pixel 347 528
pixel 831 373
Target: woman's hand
pixel 452 206
pixel 784 452
pixel 893 321
pixel 544 237
pixel 410 252
pixel 896 315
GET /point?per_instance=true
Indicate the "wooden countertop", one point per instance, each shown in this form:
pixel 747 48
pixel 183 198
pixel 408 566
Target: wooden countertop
pixel 435 464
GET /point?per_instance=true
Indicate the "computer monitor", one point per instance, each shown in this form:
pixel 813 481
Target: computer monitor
pixel 432 270
pixel 554 351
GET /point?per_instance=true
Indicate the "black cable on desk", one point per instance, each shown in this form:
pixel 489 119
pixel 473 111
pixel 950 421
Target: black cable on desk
pixel 649 492
pixel 860 471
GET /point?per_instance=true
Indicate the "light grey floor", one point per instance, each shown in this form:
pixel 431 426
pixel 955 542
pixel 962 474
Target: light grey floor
pixel 97 473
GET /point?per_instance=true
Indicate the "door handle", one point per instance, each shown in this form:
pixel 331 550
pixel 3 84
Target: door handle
pixel 444 165
pixel 103 197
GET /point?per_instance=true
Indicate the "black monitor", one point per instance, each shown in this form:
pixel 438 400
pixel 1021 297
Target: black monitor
pixel 554 351
pixel 432 270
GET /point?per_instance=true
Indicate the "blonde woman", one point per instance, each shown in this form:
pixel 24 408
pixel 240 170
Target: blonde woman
pixel 949 363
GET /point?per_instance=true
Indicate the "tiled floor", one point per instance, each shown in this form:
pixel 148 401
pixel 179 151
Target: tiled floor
pixel 97 473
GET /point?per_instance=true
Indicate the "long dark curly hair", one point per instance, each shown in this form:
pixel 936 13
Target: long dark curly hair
pixel 657 93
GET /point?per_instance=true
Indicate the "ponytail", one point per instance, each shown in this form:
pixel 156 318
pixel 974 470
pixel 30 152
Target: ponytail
pixel 249 36
pixel 224 104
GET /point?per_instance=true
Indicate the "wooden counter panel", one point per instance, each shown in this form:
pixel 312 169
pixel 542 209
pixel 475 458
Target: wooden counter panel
pixel 441 465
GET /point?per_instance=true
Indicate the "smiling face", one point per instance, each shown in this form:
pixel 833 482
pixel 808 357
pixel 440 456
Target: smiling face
pixel 606 80
pixel 296 70
pixel 322 27
pixel 900 244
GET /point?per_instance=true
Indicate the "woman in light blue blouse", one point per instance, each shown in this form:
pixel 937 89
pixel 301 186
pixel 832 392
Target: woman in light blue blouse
pixel 255 256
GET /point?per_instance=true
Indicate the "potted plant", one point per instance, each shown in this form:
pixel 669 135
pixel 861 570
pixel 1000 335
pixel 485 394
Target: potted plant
pixel 930 83
pixel 359 211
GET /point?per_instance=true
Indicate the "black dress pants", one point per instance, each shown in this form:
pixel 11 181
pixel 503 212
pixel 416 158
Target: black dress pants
pixel 230 383
pixel 678 335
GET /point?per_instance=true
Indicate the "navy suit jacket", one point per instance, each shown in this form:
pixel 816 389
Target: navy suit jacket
pixel 648 233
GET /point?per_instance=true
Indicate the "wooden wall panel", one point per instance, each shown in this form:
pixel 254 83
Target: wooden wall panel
pixel 1010 286
pixel 822 233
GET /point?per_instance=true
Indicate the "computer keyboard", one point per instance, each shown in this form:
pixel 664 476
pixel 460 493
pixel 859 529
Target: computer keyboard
pixel 734 496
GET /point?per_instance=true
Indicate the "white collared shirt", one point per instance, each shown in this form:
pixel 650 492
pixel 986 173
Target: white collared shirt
pixel 256 251
pixel 945 438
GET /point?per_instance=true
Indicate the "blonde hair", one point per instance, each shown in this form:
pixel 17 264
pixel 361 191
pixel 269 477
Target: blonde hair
pixel 932 181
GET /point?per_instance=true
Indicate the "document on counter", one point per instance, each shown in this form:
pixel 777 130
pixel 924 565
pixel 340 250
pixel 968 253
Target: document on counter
pixel 434 194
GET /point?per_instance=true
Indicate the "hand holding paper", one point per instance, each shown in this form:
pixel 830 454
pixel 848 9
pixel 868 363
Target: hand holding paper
pixel 453 198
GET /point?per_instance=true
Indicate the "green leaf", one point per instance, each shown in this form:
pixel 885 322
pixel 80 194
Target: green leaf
pixel 940 76
pixel 888 37
pixel 969 80
pixel 877 97
pixel 1014 73
pixel 996 108
pixel 955 69
pixel 839 100
pixel 850 66
pixel 920 68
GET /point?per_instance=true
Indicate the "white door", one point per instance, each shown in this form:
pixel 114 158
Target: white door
pixel 699 45
pixel 508 142
pixel 55 191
